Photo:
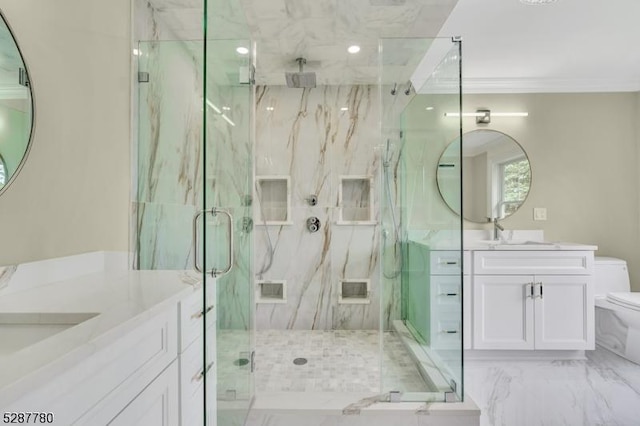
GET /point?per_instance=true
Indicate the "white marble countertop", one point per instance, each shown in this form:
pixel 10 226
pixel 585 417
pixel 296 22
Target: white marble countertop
pixel 121 298
pixel 513 245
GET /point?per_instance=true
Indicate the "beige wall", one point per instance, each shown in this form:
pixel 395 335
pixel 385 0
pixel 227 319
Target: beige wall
pixel 72 195
pixel 584 157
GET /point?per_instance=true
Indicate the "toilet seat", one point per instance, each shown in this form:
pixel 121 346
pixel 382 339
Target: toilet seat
pixel 629 300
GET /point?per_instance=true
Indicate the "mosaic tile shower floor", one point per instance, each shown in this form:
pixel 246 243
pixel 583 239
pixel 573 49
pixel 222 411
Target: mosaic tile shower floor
pixel 337 361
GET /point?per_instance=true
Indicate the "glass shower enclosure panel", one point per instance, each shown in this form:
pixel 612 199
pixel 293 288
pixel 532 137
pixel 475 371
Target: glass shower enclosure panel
pixel 193 206
pixel 228 177
pixel 422 237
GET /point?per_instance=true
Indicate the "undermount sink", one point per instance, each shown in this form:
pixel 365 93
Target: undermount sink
pixel 515 242
pixel 19 330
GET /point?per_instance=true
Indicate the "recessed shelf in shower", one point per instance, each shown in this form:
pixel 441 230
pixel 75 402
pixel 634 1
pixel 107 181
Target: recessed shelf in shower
pixel 355 200
pixel 354 291
pixel 271 291
pixel 274 196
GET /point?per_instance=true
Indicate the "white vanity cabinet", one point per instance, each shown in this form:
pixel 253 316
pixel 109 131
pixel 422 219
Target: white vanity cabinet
pixel 152 374
pixel 533 300
pixel 446 293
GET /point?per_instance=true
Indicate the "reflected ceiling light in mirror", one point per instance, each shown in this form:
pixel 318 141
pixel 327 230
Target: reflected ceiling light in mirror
pixel 242 50
pixel 429 108
pixel 353 49
pixel 137 52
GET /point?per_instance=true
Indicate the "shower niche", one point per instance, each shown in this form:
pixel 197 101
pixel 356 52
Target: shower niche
pixel 355 200
pixel 354 291
pixel 271 291
pixel 274 196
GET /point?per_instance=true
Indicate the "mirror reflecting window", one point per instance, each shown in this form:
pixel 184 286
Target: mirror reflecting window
pixel 16 107
pixel 496 175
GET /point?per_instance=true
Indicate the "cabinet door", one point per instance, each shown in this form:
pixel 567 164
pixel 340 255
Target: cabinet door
pixel 503 312
pixel 467 312
pixel 157 405
pixel 564 313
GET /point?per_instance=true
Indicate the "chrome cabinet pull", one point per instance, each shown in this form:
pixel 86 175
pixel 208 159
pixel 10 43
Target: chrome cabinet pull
pixel 199 315
pixel 214 272
pixel 531 294
pixel 200 375
pixel 540 284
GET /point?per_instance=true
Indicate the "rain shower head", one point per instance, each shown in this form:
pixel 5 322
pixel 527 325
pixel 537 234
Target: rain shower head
pixel 301 79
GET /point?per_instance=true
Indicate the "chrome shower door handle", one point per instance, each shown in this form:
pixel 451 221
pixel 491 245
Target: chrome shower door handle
pixel 231 257
pixel 196 256
pixel 214 272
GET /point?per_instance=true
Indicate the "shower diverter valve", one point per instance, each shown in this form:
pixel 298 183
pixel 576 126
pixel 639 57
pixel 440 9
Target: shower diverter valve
pixel 313 224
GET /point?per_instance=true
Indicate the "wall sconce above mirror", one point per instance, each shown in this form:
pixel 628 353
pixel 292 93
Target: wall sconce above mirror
pixel 496 175
pixel 16 107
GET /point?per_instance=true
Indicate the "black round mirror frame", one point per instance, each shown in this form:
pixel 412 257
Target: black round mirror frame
pixel 496 207
pixel 24 77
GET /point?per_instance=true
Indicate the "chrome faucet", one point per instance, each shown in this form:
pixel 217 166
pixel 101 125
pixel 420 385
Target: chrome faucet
pixel 496 228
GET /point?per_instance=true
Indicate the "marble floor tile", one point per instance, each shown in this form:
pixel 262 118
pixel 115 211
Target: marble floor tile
pixel 604 389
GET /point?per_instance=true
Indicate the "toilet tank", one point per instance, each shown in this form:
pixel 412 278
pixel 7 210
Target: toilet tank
pixel 611 275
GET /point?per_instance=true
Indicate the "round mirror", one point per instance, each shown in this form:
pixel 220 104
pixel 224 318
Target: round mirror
pixel 16 107
pixel 496 175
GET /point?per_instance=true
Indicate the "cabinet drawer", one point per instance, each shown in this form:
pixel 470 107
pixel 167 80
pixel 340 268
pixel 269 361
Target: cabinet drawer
pixel 446 331
pixel 446 294
pixel 552 262
pixel 448 262
pixel 157 405
pixel 191 383
pixel 191 317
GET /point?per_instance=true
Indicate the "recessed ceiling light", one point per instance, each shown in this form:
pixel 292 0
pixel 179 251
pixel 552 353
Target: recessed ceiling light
pixel 353 49
pixel 226 108
pixel 344 109
pixel 242 50
pixel 270 108
pixel 537 2
pixel 429 108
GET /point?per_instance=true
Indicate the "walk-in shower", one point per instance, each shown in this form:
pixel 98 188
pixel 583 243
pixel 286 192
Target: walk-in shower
pixel 320 189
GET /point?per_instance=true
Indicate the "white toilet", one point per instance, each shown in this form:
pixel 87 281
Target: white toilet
pixel 617 309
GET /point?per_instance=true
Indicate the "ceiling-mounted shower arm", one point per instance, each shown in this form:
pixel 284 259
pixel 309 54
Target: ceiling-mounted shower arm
pixel 301 63
pixel 408 89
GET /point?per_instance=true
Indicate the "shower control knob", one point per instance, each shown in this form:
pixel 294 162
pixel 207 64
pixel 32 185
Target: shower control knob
pixel 313 224
pixel 312 200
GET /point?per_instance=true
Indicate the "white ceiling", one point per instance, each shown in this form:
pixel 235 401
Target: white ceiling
pixel 567 46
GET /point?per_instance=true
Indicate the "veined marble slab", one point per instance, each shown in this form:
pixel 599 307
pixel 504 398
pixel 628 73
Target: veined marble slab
pixel 604 389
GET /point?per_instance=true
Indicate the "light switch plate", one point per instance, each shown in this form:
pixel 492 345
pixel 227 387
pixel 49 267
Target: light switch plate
pixel 539 213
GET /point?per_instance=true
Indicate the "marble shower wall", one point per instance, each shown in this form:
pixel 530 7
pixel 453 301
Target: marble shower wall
pixel 308 136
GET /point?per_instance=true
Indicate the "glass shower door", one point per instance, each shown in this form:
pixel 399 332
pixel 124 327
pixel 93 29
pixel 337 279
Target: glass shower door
pixel 228 228
pixel 193 206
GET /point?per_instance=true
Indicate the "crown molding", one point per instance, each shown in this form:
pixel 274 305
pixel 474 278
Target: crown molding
pixel 534 85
